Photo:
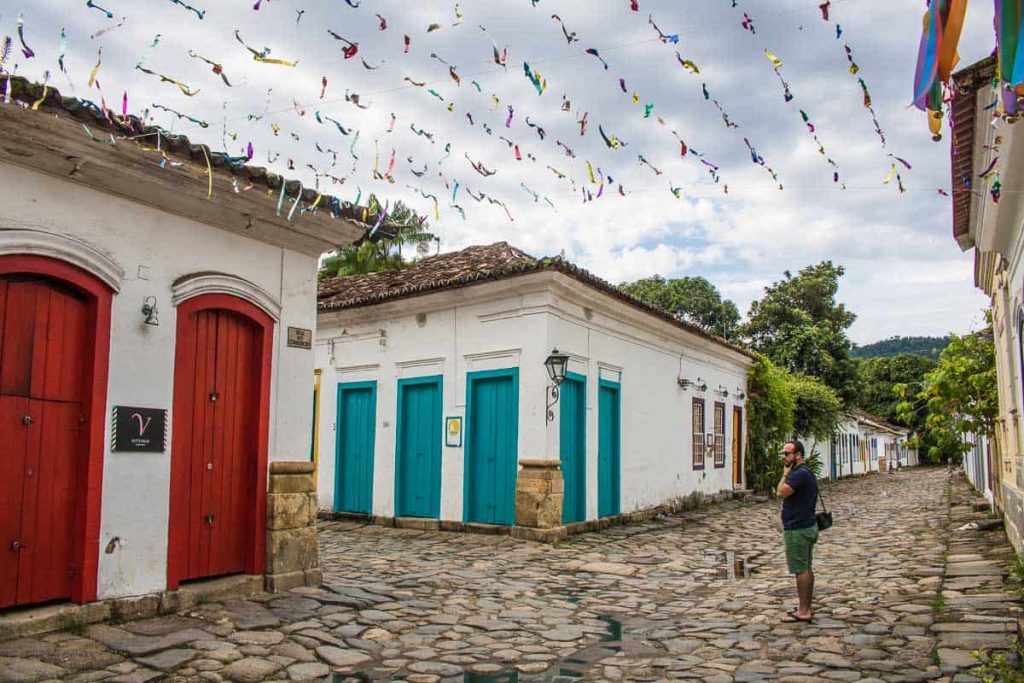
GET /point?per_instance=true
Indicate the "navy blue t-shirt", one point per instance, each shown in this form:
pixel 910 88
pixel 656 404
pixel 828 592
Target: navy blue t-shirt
pixel 798 509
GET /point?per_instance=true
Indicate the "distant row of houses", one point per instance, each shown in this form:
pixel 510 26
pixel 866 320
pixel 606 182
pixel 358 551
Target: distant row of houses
pixel 864 443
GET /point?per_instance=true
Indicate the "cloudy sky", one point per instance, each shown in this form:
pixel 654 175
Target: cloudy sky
pixel 670 216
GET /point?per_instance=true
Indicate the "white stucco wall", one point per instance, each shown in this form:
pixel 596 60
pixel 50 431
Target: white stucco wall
pixel 156 248
pixel 516 323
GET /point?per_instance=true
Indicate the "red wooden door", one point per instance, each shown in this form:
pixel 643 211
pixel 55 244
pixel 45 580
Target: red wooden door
pixel 44 330
pixel 215 446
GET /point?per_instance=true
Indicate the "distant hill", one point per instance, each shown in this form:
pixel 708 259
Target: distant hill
pixel 919 346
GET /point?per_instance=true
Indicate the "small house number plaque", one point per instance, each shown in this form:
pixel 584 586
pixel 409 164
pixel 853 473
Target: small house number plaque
pixel 300 338
pixel 139 429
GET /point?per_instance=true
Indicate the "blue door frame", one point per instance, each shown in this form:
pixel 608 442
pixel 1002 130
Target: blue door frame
pixel 418 433
pixel 492 446
pixel 354 447
pixel 609 448
pixel 833 448
pixel 573 446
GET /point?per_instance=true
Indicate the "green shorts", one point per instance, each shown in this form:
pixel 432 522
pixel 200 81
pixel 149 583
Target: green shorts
pixel 800 548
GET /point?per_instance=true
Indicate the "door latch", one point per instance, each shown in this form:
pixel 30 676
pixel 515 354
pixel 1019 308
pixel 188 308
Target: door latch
pixel 209 519
pixel 27 420
pixel 214 395
pixel 16 546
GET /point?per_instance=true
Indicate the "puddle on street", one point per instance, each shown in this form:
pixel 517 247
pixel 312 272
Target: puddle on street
pixel 731 565
pixel 614 634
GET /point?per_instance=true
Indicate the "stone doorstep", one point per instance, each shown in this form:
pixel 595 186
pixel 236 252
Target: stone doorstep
pixel 32 621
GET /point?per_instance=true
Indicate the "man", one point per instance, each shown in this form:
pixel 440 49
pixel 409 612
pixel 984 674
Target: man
pixel 798 489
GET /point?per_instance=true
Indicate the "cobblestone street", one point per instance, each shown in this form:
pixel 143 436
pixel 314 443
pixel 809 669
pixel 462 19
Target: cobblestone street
pixel 695 596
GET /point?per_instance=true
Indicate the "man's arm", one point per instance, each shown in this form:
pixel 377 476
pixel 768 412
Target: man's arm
pixel 784 490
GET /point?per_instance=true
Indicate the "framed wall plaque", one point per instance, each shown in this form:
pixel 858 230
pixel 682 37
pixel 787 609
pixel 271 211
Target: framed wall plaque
pixel 142 430
pixel 300 338
pixel 453 432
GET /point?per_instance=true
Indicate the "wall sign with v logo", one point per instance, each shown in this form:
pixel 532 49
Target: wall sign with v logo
pixel 139 429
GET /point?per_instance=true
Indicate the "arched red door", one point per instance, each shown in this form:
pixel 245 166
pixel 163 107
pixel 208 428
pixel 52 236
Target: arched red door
pixel 54 337
pixel 218 462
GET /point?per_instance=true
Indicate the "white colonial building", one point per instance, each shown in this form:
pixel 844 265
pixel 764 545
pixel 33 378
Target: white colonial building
pixel 988 217
pixel 434 390
pixel 148 376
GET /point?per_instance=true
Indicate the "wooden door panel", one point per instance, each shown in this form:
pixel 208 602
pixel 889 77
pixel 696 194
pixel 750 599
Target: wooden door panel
pixel 17 335
pixel 357 415
pixel 609 455
pixel 198 549
pixel 14 436
pixel 573 450
pixel 418 477
pixel 737 447
pixel 44 569
pixel 492 450
pixel 218 453
pixel 43 331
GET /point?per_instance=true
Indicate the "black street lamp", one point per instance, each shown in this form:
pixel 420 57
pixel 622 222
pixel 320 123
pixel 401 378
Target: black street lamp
pixel 556 363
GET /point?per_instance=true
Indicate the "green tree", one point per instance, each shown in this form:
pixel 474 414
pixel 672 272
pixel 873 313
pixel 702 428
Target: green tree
pixel 383 250
pixel 959 395
pixel 876 378
pixel 780 406
pixel 691 299
pixel 800 326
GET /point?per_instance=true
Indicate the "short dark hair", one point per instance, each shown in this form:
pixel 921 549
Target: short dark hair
pixel 797 446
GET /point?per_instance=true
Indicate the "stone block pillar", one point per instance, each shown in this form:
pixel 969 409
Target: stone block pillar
pixel 539 494
pixel 293 557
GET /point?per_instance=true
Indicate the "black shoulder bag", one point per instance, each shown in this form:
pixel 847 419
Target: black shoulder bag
pixel 823 518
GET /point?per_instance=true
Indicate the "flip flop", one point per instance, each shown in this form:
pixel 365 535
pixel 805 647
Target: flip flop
pixel 792 618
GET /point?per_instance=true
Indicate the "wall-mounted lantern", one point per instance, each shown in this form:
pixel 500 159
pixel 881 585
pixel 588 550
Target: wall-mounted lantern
pixel 149 310
pixel 700 385
pixel 739 394
pixel 555 363
pixel 722 391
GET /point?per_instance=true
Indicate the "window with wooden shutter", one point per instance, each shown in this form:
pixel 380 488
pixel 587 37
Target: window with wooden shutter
pixel 698 433
pixel 719 435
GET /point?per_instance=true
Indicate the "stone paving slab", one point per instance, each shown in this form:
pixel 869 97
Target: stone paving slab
pixel 694 596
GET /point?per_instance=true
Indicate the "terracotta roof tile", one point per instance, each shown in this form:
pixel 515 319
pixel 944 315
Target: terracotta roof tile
pixel 470 266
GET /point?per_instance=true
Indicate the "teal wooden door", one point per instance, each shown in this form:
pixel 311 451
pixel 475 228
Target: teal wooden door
pixel 353 472
pixel 492 446
pixel 609 444
pixel 573 449
pixel 418 448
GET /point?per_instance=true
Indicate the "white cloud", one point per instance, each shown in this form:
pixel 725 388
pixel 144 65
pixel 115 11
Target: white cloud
pixel 742 240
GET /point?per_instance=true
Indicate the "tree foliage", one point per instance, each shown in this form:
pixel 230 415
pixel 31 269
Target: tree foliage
pixel 384 249
pixel 929 347
pixel 780 406
pixel 800 326
pixel 959 395
pixel 691 299
pixel 876 378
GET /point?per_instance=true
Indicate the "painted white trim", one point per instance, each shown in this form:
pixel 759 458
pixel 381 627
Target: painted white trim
pixel 75 251
pixel 222 283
